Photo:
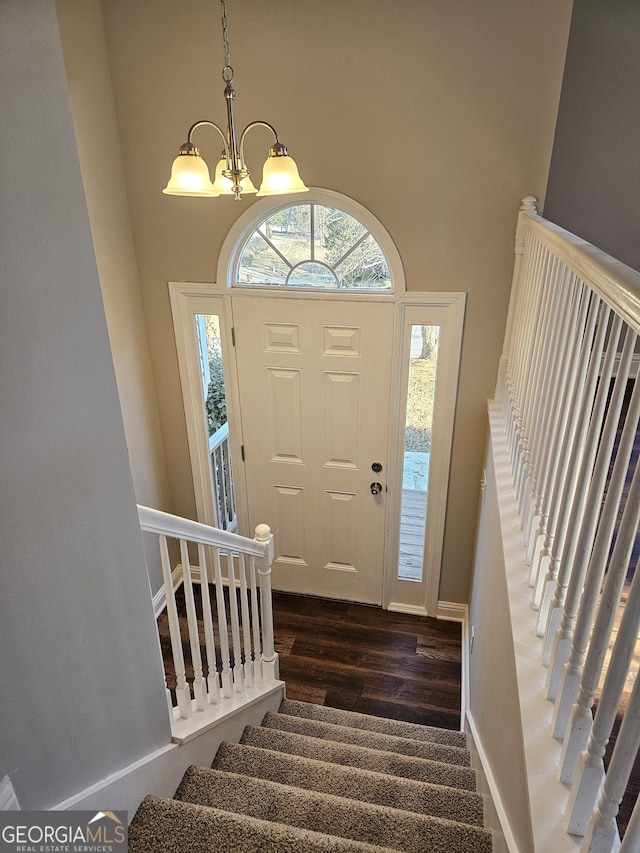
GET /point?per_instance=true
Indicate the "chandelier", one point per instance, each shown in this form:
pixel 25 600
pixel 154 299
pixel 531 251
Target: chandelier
pixel 190 174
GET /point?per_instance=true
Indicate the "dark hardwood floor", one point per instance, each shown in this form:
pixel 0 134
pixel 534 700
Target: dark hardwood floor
pixel 366 659
pixel 354 657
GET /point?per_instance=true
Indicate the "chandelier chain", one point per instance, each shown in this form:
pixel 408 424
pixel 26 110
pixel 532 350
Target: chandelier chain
pixel 227 71
pixel 189 172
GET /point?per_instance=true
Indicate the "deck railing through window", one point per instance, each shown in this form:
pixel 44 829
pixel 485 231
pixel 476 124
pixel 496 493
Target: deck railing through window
pixel 569 404
pixel 222 479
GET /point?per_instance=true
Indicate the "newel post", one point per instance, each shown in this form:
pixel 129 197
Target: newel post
pixel 269 657
pixel 527 207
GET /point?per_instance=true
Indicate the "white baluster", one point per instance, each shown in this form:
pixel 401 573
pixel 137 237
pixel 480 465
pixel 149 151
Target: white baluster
pixel 591 556
pixel 227 680
pixel 269 656
pixel 520 364
pixel 583 381
pixel 246 624
pixel 255 621
pixel 199 692
pixel 213 681
pixel 238 672
pixel 571 508
pixel 512 349
pixel 520 293
pixel 590 770
pixel 533 394
pixel 602 832
pixel 560 443
pixel 529 374
pixel 590 763
pixel 538 413
pixel 545 425
pixel 183 694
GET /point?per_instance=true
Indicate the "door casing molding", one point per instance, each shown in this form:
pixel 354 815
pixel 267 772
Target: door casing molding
pixel 443 308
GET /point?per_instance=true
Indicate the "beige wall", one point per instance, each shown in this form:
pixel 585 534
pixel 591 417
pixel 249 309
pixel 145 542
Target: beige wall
pixel 436 116
pixel 96 134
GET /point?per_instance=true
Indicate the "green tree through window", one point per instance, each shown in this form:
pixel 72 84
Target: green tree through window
pixel 313 246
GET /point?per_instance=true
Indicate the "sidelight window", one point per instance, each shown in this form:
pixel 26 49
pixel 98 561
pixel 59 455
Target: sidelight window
pixel 418 429
pixel 209 340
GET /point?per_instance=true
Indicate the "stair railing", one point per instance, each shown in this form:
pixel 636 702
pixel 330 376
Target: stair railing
pixel 226 629
pixel 569 401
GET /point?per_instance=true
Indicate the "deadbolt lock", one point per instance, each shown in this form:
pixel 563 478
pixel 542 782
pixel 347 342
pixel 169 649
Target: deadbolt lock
pixel 376 467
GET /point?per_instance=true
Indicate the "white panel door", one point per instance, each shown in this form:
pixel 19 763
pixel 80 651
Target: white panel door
pixel 314 383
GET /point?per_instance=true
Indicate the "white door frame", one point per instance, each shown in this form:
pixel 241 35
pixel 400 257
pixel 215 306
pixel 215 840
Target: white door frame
pixel 444 309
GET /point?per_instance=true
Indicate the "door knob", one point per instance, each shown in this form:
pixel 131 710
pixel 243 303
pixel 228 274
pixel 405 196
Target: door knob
pixel 376 488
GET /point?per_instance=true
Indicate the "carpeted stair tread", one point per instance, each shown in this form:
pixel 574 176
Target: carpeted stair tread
pixel 374 724
pixel 378 788
pixel 373 740
pixel 329 813
pixel 393 764
pixel 169 826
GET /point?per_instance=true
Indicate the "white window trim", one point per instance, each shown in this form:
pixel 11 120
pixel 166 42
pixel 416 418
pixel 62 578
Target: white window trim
pixel 447 311
pixel 247 223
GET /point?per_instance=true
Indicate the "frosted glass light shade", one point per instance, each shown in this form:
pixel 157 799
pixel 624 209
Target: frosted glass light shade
pixel 190 177
pixel 280 176
pixel 224 186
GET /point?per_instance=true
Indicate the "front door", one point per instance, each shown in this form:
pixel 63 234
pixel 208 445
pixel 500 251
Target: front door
pixel 314 387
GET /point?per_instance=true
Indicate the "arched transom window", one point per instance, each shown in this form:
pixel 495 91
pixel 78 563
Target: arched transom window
pixel 313 246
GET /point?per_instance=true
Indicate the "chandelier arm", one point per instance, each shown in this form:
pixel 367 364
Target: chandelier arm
pixel 256 124
pixel 198 124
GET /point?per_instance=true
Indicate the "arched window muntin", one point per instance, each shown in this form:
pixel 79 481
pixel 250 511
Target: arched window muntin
pixel 309 273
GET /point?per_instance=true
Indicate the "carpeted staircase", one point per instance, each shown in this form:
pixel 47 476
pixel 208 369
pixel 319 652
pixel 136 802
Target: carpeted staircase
pixel 313 778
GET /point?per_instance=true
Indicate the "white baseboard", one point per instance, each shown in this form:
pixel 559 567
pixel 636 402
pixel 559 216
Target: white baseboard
pixel 504 827
pixel 452 611
pixel 160 772
pixel 410 609
pixel 160 598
